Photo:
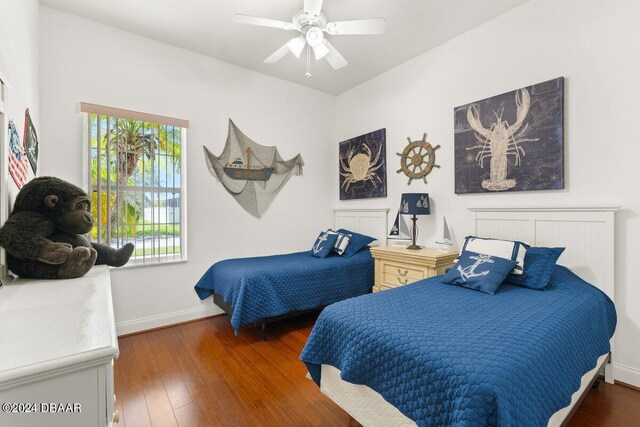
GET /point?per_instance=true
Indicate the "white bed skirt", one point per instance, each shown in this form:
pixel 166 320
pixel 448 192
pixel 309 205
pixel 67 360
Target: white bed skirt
pixel 369 408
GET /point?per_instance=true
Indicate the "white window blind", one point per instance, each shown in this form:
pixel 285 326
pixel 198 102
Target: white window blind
pixel 135 170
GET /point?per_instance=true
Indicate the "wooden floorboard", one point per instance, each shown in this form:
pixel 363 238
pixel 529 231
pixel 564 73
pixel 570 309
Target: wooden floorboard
pixel 201 374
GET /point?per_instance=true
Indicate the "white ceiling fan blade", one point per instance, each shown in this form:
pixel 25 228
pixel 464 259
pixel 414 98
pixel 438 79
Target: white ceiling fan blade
pixel 278 54
pixel 296 45
pixel 333 57
pixel 320 51
pixel 313 7
pixel 362 26
pixel 263 22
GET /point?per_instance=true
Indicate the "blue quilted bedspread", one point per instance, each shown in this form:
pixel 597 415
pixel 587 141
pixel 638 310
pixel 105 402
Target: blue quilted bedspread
pixel 263 287
pixel 446 355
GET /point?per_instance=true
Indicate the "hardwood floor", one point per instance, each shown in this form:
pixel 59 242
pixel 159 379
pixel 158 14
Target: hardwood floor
pixel 200 374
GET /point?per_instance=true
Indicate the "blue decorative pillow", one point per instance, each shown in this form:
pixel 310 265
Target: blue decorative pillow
pixel 484 273
pixel 324 244
pixel 538 267
pixel 357 242
pixel 508 249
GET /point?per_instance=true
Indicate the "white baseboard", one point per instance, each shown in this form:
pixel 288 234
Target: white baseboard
pixel 142 324
pixel 627 374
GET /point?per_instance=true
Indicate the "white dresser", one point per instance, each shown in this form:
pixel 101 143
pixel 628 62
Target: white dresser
pixel 57 347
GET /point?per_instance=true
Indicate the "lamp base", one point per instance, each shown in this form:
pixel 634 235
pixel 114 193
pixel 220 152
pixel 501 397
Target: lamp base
pixel 413 245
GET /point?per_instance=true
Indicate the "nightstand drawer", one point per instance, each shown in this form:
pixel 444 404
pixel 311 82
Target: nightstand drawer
pixel 402 270
pixel 395 274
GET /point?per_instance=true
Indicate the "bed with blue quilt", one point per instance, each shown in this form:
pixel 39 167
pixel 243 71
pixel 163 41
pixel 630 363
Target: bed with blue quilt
pixel 256 290
pixel 446 355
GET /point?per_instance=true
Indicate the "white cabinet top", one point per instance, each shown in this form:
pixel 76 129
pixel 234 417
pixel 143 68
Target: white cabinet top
pixel 49 325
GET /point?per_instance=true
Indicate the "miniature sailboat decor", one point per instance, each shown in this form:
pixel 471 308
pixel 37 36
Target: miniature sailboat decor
pixel 400 232
pixel 446 235
pixel 252 173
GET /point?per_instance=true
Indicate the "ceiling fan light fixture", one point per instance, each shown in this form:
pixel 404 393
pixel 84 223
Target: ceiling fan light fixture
pixel 296 45
pixel 314 36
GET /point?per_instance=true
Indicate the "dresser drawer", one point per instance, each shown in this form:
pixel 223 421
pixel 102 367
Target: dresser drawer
pixel 396 274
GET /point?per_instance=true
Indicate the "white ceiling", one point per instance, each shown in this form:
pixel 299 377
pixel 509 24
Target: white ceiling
pixel 205 26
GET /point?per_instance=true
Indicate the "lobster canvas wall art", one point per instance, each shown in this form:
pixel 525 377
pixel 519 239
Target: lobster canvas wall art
pixel 511 142
pixel 362 166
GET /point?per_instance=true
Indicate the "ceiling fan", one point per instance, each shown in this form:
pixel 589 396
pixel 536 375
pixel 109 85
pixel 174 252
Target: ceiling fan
pixel 312 24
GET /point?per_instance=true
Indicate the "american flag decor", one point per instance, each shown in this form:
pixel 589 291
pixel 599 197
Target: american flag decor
pixel 17 158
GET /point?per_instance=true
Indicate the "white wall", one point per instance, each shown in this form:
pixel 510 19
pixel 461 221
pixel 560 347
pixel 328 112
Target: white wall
pixel 85 61
pixel 596 46
pixel 19 64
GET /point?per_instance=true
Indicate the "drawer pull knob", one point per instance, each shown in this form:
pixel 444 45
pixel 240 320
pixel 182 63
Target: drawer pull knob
pixel 403 274
pixel 116 416
pixel 401 282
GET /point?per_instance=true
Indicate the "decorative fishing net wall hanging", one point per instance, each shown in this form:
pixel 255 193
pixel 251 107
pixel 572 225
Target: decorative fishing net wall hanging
pixel 252 173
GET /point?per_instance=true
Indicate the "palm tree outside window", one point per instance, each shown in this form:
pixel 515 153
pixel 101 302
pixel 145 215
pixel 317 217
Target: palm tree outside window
pixel 136 182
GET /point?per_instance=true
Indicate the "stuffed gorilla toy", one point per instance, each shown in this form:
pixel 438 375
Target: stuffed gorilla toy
pixel 45 234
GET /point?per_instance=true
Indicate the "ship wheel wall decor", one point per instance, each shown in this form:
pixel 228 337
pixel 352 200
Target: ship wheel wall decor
pixel 418 159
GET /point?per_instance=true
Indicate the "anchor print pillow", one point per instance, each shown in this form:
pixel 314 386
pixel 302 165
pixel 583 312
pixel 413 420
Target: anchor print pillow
pixel 324 244
pixel 508 249
pixel 484 273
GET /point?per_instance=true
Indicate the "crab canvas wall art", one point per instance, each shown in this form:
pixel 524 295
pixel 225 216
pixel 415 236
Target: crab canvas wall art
pixel 511 142
pixel 362 166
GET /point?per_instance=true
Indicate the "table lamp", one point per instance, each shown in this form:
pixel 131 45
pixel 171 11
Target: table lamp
pixel 414 204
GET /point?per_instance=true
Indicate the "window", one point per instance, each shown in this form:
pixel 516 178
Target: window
pixel 136 183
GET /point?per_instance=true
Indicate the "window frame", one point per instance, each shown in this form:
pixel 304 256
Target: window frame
pixel 5 277
pixel 87 109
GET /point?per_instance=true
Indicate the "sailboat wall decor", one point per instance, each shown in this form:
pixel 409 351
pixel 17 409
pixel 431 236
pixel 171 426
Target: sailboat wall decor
pixel 252 173
pixel 238 170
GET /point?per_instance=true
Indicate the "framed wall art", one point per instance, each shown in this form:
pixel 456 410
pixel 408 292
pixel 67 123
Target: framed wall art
pixel 362 166
pixel 511 142
pixel 17 160
pixel 30 142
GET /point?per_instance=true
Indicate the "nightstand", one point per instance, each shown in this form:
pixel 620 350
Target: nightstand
pixel 397 266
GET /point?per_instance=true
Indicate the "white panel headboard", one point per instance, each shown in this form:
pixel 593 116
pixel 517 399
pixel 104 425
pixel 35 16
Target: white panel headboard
pixel 372 222
pixel 586 233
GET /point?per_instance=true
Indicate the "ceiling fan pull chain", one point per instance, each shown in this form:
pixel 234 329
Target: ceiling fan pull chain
pixel 308 75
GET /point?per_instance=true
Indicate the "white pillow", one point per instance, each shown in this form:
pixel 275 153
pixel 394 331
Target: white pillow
pixel 508 249
pixel 341 243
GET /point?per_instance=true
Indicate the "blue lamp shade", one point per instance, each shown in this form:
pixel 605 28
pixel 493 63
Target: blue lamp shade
pixel 415 204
